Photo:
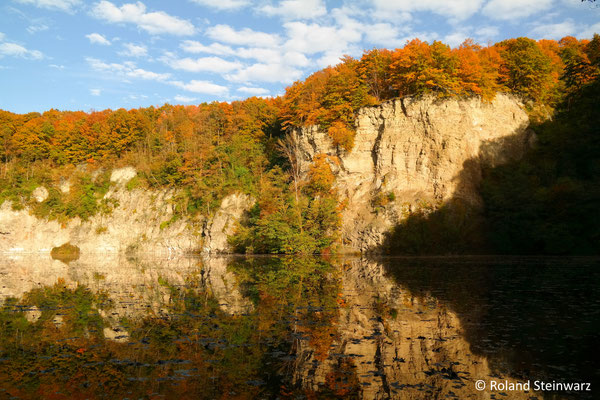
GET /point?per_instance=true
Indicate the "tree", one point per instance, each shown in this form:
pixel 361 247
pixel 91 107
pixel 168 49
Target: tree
pixel 525 69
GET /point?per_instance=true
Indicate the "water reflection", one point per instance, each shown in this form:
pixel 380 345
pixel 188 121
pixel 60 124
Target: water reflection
pixel 266 327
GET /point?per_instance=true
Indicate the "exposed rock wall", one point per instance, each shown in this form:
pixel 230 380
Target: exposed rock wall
pixel 407 152
pixel 140 222
pixel 421 150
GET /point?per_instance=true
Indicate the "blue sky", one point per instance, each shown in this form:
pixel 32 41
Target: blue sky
pixel 83 55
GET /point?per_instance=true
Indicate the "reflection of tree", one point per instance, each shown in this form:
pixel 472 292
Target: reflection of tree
pixel 193 348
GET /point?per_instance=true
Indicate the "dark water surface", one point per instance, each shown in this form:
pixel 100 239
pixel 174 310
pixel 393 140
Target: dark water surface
pixel 298 328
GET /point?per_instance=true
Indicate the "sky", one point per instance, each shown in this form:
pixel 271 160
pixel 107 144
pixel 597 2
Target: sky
pixel 93 55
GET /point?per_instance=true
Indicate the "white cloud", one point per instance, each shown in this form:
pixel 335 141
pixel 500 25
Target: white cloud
pixel 296 59
pixel 455 39
pixel 62 5
pixel 192 46
pixel 330 58
pixel 314 38
pixel 128 69
pixel 554 31
pixel 2 36
pixel 588 32
pixel 95 92
pixel 134 50
pixel 16 50
pixel 98 39
pixel 514 9
pixel 487 32
pixel 296 9
pixel 135 13
pixel 57 66
pixel 383 34
pixel 254 91
pixel 184 99
pixel 223 4
pixel 202 87
pixel 202 64
pixel 261 72
pixel 457 9
pixel 37 28
pixel 244 37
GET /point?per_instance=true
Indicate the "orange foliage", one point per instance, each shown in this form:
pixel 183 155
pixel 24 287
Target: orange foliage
pixel 341 135
pixel 320 176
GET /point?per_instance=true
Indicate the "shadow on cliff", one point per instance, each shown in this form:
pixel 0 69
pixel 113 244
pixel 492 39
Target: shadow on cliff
pixel 545 202
pixel 532 318
pixel 458 225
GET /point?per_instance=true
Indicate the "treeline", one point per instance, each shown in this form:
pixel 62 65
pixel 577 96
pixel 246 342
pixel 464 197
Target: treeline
pixel 210 150
pixel 540 71
pixel 547 202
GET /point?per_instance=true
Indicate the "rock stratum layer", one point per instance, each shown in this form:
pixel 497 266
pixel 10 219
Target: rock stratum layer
pixel 424 151
pixel 407 152
pixel 141 222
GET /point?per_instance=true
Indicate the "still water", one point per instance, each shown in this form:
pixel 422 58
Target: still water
pixel 298 328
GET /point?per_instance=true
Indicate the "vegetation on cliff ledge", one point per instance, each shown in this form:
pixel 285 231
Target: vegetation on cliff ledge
pixel 208 151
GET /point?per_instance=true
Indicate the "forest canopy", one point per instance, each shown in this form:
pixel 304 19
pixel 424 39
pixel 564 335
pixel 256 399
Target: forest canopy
pixel 210 150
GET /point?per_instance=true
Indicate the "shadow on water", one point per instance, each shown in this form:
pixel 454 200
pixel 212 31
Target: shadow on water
pixel 275 327
pixel 532 318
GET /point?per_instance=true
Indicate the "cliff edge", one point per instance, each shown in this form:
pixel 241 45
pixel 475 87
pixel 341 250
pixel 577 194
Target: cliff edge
pixel 412 152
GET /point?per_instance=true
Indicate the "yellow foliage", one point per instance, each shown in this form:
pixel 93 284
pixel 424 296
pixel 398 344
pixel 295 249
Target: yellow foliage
pixel 320 176
pixel 341 135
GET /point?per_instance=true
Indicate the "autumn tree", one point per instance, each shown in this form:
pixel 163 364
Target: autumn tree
pixel 525 69
pixel 374 70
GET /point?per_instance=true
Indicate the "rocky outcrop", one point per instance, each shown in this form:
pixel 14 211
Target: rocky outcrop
pixel 224 221
pixel 141 221
pixel 409 152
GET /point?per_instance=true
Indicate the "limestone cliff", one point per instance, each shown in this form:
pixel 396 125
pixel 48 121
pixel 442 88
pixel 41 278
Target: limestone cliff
pixel 141 221
pixel 410 151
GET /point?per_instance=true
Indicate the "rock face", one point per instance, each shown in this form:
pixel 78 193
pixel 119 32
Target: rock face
pixel 223 224
pixel 421 150
pixel 408 152
pixel 40 194
pixel 140 222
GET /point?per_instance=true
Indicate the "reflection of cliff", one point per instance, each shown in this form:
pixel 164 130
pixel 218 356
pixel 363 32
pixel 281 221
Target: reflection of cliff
pixel 531 317
pixel 401 346
pixel 136 287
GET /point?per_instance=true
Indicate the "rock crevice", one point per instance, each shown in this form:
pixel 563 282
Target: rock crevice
pixel 423 150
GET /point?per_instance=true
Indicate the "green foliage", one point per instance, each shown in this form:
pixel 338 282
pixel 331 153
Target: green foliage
pixel 133 183
pixel 278 224
pixel 525 69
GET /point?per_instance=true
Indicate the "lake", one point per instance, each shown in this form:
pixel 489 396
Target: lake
pixel 112 327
